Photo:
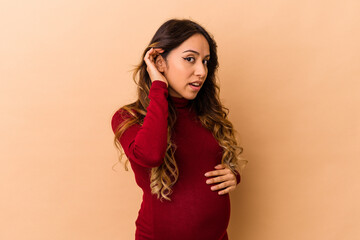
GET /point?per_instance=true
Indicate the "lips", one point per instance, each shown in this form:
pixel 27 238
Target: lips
pixel 196 84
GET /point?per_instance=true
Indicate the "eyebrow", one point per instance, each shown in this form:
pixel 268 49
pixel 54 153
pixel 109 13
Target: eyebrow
pixel 195 52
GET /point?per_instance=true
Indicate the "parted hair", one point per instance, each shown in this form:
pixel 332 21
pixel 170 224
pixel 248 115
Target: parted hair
pixel 211 113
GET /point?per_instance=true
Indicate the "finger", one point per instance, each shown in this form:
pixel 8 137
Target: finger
pixel 222 178
pixel 157 53
pixel 152 53
pixel 158 48
pixel 223 185
pixel 218 172
pixel 227 190
pixel 149 57
pixel 220 166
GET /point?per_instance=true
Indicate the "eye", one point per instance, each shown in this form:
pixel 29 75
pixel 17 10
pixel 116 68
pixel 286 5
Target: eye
pixel 187 58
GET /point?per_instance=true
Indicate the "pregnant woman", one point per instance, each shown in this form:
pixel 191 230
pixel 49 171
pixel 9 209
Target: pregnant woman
pixel 178 139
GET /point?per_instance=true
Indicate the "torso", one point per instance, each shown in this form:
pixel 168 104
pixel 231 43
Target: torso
pixel 195 211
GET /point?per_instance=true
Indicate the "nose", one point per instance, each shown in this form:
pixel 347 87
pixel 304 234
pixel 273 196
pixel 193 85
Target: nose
pixel 201 70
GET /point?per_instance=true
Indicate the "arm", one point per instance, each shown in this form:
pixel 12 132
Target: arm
pixel 146 144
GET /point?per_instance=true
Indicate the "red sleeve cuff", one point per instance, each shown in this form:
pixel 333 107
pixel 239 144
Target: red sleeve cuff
pixel 238 177
pixel 159 83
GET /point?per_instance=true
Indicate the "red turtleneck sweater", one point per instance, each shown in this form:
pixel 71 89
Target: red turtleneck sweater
pixel 195 212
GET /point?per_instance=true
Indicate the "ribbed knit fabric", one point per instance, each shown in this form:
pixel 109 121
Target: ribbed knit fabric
pixel 195 212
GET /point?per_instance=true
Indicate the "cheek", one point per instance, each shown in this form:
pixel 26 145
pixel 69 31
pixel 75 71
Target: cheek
pixel 178 73
pixel 180 67
pixel 184 71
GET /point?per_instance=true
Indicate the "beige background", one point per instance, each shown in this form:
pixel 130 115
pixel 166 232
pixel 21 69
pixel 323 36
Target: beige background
pixel 289 74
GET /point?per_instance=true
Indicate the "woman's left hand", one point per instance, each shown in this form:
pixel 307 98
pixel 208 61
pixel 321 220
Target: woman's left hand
pixel 224 176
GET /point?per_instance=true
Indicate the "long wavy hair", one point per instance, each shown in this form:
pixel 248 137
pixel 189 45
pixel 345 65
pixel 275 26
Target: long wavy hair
pixel 212 114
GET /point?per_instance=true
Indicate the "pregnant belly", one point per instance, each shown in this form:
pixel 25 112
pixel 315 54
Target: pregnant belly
pixel 195 212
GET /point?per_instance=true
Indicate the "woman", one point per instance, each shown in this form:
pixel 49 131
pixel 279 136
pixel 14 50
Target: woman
pixel 177 137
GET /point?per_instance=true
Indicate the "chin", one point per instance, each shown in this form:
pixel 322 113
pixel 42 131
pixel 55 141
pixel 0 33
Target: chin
pixel 190 97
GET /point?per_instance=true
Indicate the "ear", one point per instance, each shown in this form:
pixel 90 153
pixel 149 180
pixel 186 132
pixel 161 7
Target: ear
pixel 160 63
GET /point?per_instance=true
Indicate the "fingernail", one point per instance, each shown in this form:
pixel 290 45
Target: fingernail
pixel 208 181
pixel 206 174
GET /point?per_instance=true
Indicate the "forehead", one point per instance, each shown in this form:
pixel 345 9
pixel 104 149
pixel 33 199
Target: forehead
pixel 196 42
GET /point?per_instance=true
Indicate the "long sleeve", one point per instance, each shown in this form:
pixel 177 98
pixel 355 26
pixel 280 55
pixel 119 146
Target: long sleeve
pixel 146 144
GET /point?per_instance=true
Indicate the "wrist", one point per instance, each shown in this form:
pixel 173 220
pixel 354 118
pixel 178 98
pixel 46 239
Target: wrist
pixel 158 80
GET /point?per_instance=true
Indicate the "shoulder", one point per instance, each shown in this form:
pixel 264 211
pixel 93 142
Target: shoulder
pixel 119 116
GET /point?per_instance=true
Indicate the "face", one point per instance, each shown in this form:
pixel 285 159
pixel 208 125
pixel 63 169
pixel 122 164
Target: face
pixel 186 67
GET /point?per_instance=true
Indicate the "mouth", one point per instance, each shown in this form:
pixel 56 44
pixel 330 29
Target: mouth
pixel 195 85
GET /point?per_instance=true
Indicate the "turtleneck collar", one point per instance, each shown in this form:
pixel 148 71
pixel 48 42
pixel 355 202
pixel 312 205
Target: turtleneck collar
pixel 179 102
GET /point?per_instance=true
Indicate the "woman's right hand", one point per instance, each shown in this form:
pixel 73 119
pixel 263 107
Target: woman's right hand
pixel 154 73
